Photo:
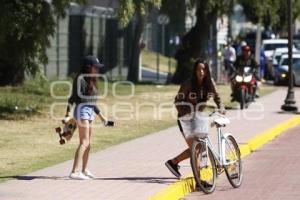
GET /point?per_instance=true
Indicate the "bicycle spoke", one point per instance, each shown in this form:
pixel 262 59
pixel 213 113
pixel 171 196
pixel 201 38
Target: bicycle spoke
pixel 233 162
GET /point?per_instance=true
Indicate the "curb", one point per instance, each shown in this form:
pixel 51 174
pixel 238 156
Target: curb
pixel 187 185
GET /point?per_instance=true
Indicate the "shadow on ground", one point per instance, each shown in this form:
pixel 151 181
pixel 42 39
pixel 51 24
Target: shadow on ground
pixel 159 180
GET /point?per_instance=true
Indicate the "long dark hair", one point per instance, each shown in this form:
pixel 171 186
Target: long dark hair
pixel 207 82
pixel 90 80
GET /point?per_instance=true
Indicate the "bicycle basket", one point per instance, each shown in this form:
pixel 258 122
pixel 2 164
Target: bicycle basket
pixel 195 125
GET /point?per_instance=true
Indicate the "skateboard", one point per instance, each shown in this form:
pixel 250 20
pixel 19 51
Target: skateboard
pixel 68 130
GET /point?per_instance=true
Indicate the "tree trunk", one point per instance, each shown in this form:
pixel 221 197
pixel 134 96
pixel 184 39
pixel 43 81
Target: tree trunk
pixel 193 45
pixel 11 75
pixel 133 70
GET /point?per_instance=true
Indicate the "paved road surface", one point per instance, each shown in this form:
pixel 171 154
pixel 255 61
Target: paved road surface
pixel 271 173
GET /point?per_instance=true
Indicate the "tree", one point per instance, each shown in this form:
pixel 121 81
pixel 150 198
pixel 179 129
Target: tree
pixel 24 37
pixel 195 42
pixel 126 11
pixel 272 14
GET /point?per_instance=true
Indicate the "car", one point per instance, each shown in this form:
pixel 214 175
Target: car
pixel 277 55
pixel 296 68
pixel 281 72
pixel 269 45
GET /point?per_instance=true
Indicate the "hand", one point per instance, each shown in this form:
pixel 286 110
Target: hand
pixel 66 119
pixel 104 121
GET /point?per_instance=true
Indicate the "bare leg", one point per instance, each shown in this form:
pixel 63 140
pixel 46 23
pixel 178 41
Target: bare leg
pixel 83 127
pixel 185 154
pixel 87 151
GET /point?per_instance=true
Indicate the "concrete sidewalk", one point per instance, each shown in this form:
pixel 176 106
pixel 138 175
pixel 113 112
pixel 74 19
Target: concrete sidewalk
pixel 135 169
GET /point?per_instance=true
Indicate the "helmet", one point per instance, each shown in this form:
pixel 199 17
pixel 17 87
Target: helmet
pixel 246 48
pixel 243 43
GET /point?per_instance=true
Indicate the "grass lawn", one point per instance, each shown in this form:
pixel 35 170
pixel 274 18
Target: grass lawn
pixel 28 141
pixel 149 60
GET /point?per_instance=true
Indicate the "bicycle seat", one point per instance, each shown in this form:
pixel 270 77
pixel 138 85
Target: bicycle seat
pixel 221 121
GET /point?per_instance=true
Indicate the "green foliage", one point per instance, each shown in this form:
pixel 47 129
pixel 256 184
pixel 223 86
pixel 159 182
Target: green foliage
pixel 271 13
pixel 171 8
pixel 212 6
pixel 26 27
pixel 128 8
pixel 24 101
pixel 267 13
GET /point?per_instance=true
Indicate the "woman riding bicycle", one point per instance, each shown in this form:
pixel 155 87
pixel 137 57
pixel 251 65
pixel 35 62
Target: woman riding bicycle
pixel 191 98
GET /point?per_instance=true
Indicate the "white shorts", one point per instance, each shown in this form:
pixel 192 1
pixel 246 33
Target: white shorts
pixel 194 125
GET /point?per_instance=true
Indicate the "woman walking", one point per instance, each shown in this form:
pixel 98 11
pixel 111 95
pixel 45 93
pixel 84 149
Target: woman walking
pixel 84 96
pixel 190 100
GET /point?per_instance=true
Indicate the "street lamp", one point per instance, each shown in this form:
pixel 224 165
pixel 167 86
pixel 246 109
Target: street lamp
pixel 289 102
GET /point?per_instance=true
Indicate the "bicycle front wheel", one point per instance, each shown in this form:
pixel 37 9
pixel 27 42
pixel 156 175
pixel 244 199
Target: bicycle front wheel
pixel 203 166
pixel 233 168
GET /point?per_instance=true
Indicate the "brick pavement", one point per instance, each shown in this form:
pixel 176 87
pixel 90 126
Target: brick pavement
pixel 135 169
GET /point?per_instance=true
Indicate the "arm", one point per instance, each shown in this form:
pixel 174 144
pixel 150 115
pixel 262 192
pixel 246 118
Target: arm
pixel 181 98
pixel 72 98
pixel 100 115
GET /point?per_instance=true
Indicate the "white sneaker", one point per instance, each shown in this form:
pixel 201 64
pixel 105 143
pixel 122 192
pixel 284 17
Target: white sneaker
pixel 88 173
pixel 78 176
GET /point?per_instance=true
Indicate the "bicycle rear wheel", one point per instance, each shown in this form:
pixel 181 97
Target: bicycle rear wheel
pixel 233 168
pixel 203 166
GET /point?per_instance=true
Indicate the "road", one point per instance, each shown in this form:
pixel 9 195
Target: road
pixel 271 173
pixel 151 75
pixel 148 74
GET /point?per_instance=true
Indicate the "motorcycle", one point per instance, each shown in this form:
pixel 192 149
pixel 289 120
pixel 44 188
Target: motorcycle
pixel 244 85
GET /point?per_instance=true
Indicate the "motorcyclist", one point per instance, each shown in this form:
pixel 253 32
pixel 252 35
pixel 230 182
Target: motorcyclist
pixel 246 60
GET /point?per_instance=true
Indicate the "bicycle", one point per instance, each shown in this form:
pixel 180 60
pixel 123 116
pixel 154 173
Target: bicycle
pixel 207 164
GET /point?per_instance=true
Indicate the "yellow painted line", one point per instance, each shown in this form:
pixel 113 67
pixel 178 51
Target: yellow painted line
pixel 245 150
pixel 176 190
pixel 187 185
pixel 270 134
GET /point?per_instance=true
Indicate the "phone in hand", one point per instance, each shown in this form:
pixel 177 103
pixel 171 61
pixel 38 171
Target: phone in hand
pixel 110 123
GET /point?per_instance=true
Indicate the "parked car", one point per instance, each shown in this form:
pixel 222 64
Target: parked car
pixel 281 72
pixel 269 45
pixel 277 56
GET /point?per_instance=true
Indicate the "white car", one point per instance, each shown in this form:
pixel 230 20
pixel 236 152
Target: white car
pixel 269 45
pixel 277 55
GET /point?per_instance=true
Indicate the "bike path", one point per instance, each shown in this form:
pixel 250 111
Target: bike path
pixel 135 169
pixel 272 173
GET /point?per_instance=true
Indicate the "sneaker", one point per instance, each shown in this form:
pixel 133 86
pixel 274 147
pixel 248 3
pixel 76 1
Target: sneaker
pixel 174 168
pixel 88 173
pixel 78 176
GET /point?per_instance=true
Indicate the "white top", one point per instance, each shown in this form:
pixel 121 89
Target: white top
pixel 230 54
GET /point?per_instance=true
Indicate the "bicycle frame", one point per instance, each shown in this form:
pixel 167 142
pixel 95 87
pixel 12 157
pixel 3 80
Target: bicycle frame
pixel 220 155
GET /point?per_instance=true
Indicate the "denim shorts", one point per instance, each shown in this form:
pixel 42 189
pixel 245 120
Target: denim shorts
pixel 84 112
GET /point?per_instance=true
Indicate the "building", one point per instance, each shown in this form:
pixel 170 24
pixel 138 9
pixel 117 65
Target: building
pixel 89 29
